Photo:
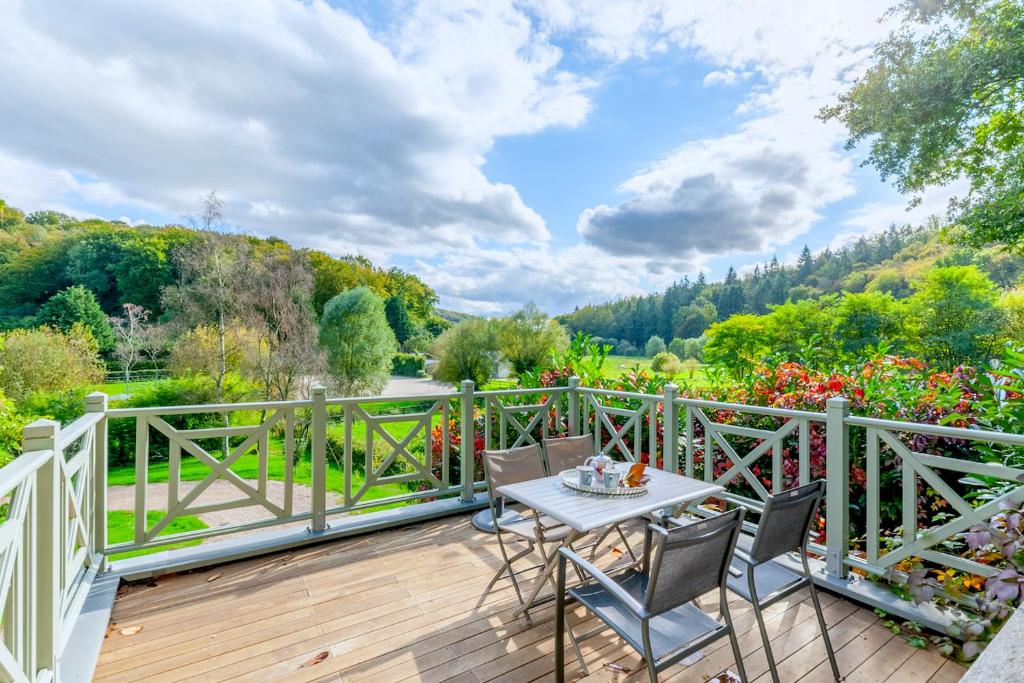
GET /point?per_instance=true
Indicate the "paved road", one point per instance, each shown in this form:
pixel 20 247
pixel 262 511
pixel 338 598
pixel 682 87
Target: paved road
pixel 414 386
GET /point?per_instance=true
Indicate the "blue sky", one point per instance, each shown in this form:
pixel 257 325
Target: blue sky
pixel 558 151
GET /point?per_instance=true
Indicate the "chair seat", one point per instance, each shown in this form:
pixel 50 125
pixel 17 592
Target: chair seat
pixel 769 578
pixel 522 525
pixel 670 631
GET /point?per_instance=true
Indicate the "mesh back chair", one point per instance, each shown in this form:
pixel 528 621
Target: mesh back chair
pixel 760 578
pixel 565 454
pixel 653 608
pixel 511 467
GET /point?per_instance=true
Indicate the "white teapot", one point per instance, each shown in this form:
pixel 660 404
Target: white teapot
pixel 599 462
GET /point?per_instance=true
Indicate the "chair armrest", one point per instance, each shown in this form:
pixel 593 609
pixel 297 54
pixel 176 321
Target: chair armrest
pixel 606 582
pixel 743 557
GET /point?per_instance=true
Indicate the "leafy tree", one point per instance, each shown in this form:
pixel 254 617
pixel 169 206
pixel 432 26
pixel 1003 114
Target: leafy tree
pixel 654 346
pixel 737 344
pixel 528 337
pixel 678 347
pixel 1012 306
pixel 359 343
pixel 198 352
pixel 868 319
pixel 214 285
pixel 667 363
pixel 466 351
pixel 398 318
pixel 47 360
pixel 955 315
pixel 10 428
pixel 794 330
pixel 78 305
pixel 944 98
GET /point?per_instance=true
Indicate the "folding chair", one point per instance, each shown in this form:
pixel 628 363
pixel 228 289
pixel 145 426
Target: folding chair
pixel 565 454
pixel 511 467
pixel 653 608
pixel 757 575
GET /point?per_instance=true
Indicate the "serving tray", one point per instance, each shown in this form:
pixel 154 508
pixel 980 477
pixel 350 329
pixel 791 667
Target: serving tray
pixel 571 479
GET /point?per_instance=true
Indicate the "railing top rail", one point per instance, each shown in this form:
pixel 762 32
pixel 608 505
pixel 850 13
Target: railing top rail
pixel 937 430
pixel 70 433
pixel 521 392
pixel 206 408
pixel 349 400
pixel 21 468
pixel 620 394
pixel 759 410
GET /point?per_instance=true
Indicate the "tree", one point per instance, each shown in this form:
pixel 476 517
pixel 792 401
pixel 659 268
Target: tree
pixel 667 363
pixel 282 317
pixel 129 330
pixel 737 344
pixel 943 99
pixel 198 352
pixel 955 315
pixel 398 318
pixel 678 347
pixel 214 283
pixel 868 319
pixel 654 346
pixel 46 359
pixel 358 340
pixel 528 337
pixel 78 305
pixel 466 351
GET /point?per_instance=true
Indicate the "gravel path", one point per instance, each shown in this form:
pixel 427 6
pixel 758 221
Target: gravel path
pixel 123 498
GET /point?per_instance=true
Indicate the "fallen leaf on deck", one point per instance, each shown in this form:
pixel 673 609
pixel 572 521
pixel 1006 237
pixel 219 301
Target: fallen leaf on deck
pixel 215 577
pixel 618 668
pixel 315 659
pixel 130 630
pixel 725 677
pixel 618 552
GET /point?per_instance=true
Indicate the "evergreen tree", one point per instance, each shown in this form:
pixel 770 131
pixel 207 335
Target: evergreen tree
pixel 76 304
pixel 398 318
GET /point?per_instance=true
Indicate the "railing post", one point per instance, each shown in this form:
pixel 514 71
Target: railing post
pixel 96 402
pixel 670 429
pixel 318 452
pixel 467 441
pixel 837 487
pixel 42 435
pixel 574 406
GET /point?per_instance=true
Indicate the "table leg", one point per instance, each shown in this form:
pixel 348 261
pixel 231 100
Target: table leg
pixel 548 569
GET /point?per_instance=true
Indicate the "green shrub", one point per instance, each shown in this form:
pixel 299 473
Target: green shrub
pixel 654 346
pixel 667 363
pixel 408 365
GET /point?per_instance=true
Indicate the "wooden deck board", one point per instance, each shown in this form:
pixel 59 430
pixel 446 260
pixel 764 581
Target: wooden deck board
pixel 407 605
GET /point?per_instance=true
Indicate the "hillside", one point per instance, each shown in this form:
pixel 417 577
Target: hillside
pixel 887 262
pixel 44 252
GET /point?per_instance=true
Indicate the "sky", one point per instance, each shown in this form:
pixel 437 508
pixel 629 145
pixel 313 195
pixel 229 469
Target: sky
pixel 561 153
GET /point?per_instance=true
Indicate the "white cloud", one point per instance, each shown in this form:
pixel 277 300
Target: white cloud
pixel 756 189
pixel 293 112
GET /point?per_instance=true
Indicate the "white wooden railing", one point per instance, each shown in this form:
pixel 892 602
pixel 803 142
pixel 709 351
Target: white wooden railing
pixel 53 540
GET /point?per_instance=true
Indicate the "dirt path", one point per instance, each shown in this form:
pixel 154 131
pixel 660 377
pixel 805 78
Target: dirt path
pixel 123 498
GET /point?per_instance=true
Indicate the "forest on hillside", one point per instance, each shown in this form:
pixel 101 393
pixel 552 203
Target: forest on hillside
pixel 892 262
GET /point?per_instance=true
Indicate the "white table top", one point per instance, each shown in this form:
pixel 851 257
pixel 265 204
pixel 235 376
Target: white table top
pixel 588 511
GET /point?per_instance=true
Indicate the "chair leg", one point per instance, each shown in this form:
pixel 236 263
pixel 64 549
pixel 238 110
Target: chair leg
pixel 560 622
pixel 733 642
pixel 625 541
pixel 821 622
pixel 755 602
pixel 600 540
pixel 512 575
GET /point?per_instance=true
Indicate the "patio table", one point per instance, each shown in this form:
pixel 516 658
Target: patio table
pixel 584 512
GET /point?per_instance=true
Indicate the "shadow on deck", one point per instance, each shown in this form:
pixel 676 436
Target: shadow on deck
pixel 406 605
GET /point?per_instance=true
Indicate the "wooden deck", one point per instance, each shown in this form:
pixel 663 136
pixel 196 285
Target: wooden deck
pixel 405 605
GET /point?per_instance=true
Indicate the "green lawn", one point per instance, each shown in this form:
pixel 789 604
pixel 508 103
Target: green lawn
pixel 692 375
pixel 121 529
pixel 116 388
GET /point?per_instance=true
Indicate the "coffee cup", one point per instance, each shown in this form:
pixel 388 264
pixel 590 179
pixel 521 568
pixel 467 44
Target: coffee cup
pixel 585 474
pixel 611 478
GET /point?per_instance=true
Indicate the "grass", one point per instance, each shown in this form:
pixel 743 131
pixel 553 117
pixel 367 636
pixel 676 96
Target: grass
pixel 693 375
pixel 121 529
pixel 117 388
